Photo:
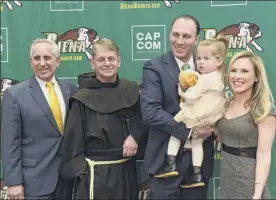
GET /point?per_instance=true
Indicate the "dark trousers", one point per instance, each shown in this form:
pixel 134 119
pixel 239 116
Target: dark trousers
pixel 46 197
pixel 169 188
pixel 195 193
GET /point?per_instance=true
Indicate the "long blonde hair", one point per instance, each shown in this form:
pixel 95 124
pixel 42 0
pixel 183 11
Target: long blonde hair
pixel 261 100
pixel 218 48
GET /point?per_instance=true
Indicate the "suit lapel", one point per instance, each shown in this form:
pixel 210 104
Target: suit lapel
pixel 65 93
pixel 40 99
pixel 66 97
pixel 171 66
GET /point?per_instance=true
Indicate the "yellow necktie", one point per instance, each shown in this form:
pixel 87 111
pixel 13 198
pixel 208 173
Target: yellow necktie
pixel 185 67
pixel 54 105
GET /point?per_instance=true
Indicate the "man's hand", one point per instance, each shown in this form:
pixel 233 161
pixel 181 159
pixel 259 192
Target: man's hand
pixel 16 192
pixel 203 132
pixel 129 147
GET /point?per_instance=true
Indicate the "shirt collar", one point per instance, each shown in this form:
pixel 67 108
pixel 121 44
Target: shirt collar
pixel 43 83
pixel 180 63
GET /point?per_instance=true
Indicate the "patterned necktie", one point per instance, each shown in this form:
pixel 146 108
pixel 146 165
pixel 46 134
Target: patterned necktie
pixel 185 67
pixel 54 105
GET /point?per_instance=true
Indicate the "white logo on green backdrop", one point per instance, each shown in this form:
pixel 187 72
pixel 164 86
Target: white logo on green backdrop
pixel 66 5
pixel 228 3
pixel 4 45
pixel 148 41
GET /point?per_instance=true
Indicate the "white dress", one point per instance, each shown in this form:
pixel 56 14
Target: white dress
pixel 203 103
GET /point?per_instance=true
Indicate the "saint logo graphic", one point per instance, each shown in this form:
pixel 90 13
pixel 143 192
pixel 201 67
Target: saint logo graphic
pixel 168 3
pixel 66 5
pixel 148 41
pixel 241 36
pixel 10 5
pixel 4 44
pixel 6 83
pixel 78 40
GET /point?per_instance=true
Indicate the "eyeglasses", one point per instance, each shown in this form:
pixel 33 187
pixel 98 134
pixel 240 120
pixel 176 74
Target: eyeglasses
pixel 102 60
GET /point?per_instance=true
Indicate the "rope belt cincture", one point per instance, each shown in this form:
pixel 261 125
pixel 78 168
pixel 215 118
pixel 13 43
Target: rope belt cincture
pixel 92 164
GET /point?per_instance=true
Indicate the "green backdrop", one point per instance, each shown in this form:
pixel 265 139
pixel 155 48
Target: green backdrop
pixel 141 29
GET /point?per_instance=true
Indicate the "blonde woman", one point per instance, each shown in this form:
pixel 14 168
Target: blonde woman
pixel 247 130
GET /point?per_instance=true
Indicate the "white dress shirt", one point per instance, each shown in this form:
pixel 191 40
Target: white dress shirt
pixel 190 62
pixel 57 89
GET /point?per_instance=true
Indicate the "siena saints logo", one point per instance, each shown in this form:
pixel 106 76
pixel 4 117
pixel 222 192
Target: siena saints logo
pixel 79 40
pixel 243 35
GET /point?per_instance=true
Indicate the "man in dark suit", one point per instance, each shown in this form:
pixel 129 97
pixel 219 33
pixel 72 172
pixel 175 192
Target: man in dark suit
pixel 5 83
pixel 33 115
pixel 159 105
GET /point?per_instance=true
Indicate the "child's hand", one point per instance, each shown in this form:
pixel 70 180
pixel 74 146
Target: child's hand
pixel 180 92
pixel 203 132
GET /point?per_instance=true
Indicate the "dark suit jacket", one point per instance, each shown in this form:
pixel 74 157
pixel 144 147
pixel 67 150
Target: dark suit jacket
pixel 159 105
pixel 31 138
